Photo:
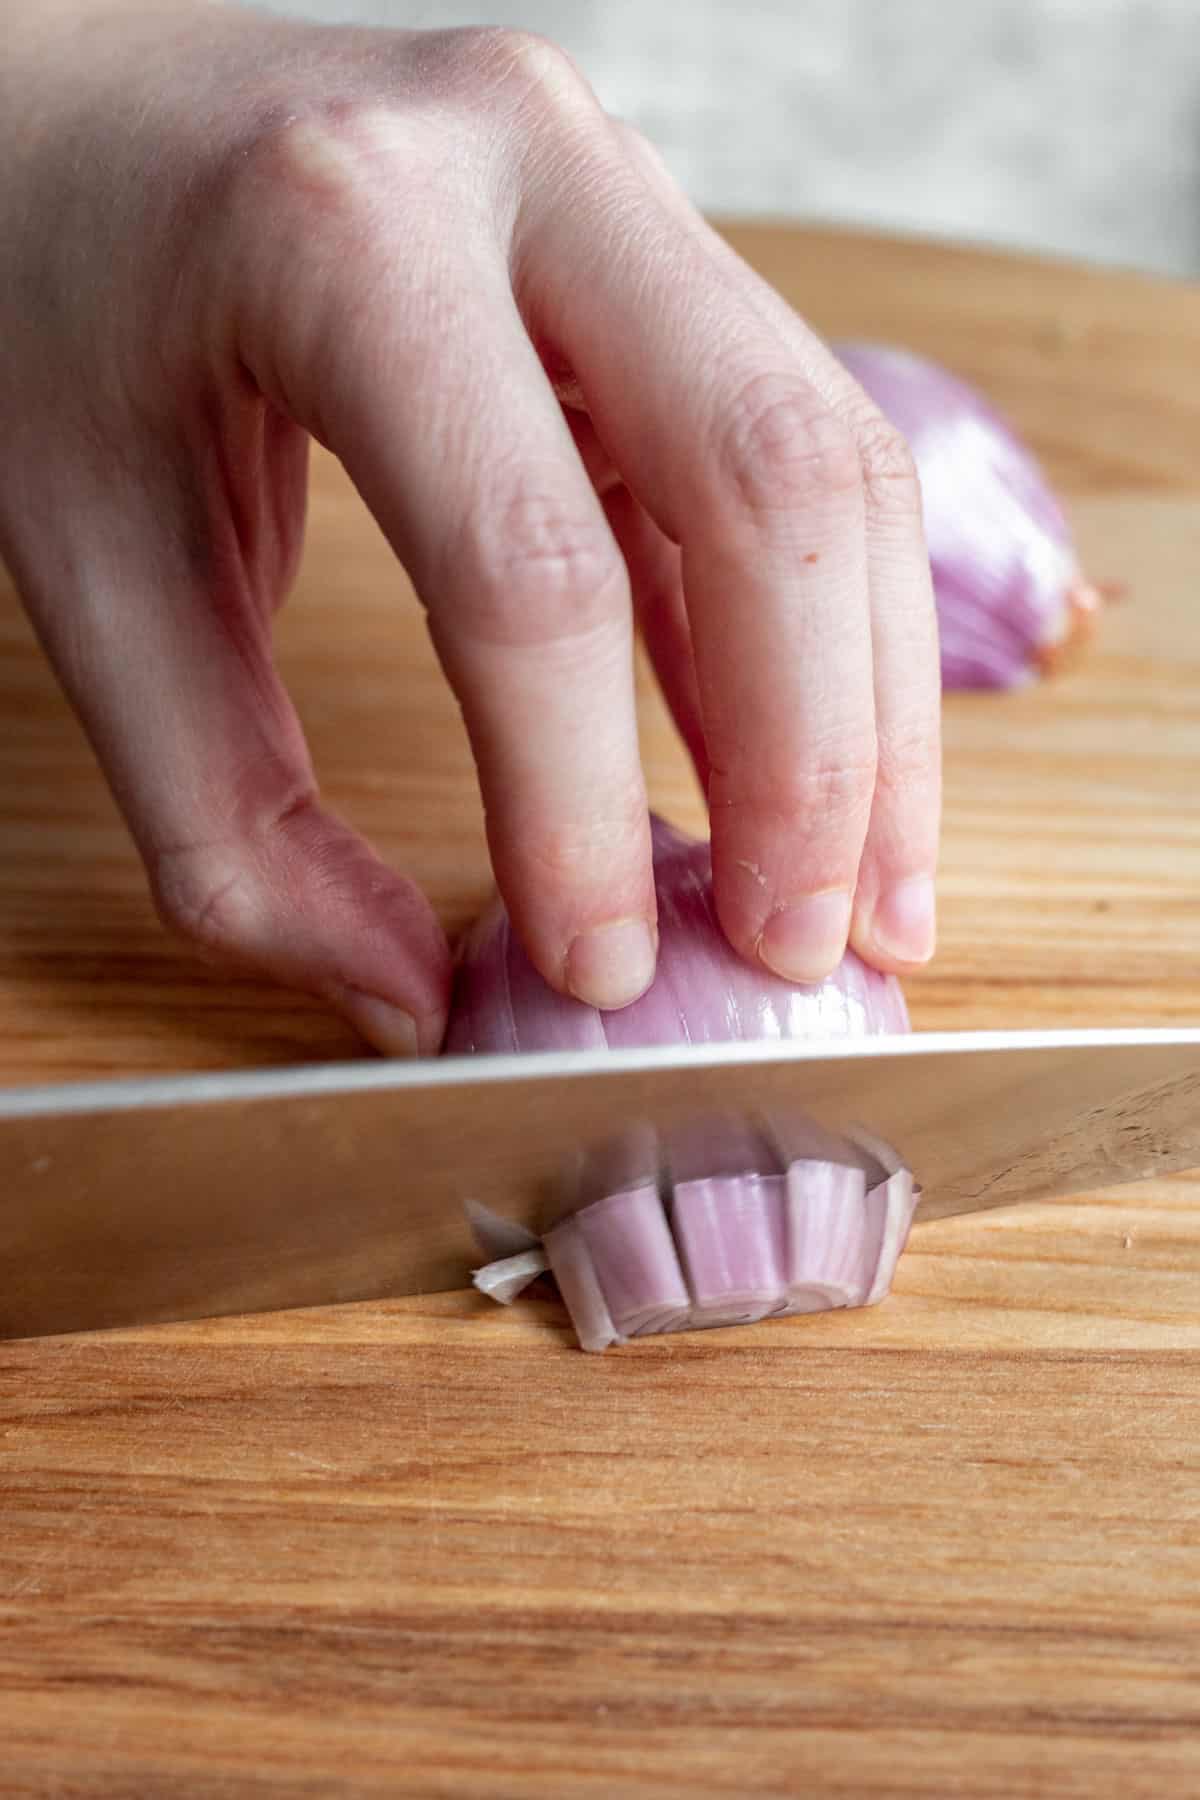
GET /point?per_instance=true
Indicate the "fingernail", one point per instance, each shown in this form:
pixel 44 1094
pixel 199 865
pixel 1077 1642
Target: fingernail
pixel 806 940
pixel 612 965
pixel 388 1028
pixel 905 921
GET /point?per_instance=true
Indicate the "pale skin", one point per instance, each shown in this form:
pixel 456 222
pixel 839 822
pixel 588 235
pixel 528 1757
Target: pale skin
pixel 568 405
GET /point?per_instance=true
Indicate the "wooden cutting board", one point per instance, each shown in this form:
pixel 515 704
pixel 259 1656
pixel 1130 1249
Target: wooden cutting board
pixel 945 1546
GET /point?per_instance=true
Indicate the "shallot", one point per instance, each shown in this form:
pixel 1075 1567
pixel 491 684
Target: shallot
pixel 1011 597
pixel 719 1222
pixel 669 1251
pixel 703 992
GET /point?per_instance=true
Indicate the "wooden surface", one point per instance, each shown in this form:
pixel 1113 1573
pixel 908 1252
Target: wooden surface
pixel 945 1546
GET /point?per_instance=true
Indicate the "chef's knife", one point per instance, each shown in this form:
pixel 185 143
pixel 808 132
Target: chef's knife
pixel 131 1201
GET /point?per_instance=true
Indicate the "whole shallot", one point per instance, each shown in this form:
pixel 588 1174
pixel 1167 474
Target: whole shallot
pixel 1011 597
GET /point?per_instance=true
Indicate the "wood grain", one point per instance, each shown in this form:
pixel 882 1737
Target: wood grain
pixel 1072 852
pixel 947 1546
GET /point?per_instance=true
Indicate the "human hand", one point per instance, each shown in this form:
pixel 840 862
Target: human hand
pixel 226 233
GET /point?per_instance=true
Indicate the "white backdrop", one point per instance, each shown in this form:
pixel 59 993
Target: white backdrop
pixel 1064 125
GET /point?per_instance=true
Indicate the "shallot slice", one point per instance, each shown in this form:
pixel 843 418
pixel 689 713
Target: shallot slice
pixel 505 1279
pixel 724 1248
pixel 578 1283
pixel 730 1233
pixel 891 1203
pixel 827 1237
pixel 725 1199
pixel 636 1262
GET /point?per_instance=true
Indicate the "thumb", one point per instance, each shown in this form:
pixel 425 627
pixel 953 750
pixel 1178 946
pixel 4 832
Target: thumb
pixel 167 659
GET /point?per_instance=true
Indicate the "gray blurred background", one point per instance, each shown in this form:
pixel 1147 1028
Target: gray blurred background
pixel 1069 126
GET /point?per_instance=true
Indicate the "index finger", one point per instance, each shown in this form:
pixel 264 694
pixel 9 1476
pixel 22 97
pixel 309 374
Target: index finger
pixel 453 435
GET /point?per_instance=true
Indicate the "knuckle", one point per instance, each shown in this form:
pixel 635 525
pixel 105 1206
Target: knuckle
pixel 831 791
pixel 206 896
pixel 544 572
pixel 537 65
pixel 889 470
pixel 339 156
pixel 524 67
pixel 837 788
pixel 217 894
pixel 781 449
pixel 909 763
pixel 592 847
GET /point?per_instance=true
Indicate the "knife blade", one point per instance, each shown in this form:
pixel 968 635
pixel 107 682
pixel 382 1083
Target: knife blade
pixel 138 1201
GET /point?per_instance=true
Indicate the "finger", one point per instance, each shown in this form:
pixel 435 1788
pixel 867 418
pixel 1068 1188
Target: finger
pixel 168 663
pixel 461 451
pixel 724 434
pixel 894 924
pixel 894 917
pixel 894 911
pixel 656 583
pixel 656 580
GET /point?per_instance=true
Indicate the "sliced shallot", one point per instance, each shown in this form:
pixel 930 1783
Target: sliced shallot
pixel 725 1249
pixel 724 1222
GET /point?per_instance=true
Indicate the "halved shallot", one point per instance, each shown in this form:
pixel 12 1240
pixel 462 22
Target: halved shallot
pixel 722 1221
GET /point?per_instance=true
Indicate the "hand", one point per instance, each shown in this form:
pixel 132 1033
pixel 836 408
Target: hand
pixel 226 233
